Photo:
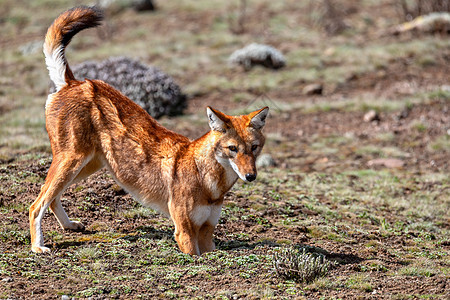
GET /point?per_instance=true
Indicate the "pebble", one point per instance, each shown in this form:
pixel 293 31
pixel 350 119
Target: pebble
pixel 313 89
pixel 265 160
pixel 387 162
pixel 371 115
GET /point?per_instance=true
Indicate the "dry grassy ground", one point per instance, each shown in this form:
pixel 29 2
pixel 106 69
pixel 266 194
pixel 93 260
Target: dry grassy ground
pixel 385 228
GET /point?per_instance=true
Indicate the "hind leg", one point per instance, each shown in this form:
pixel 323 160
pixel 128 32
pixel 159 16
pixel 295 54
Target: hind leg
pixel 56 207
pixel 60 175
pixel 63 220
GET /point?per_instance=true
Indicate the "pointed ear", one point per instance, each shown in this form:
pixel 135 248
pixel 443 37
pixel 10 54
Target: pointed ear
pixel 258 118
pixel 217 120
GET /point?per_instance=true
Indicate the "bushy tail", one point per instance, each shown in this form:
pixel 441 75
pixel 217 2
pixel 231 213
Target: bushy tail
pixel 58 37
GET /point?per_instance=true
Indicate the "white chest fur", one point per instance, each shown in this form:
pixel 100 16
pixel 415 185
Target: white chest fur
pixel 206 213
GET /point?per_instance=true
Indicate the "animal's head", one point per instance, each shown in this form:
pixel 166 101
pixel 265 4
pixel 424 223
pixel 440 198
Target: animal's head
pixel 240 140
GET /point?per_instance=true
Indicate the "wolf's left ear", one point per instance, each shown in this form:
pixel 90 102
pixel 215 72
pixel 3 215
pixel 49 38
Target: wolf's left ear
pixel 258 118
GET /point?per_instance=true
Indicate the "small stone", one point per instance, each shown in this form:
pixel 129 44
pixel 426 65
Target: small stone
pixel 265 160
pixel 257 54
pixel 117 6
pixel 313 89
pixel 65 297
pixel 403 114
pixel 349 135
pixel 143 5
pixel 391 163
pixel 330 51
pixel 259 229
pixel 371 115
pixel 7 279
pixel 322 160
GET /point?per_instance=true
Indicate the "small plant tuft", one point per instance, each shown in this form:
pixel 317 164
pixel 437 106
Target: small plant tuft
pixel 292 264
pixel 16 237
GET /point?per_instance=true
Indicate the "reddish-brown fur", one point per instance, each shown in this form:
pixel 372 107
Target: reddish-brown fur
pixel 91 125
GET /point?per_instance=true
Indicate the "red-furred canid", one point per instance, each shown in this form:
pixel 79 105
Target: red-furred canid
pixel 91 125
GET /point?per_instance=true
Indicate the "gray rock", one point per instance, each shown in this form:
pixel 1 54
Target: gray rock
pixel 117 6
pixel 371 115
pixel 143 5
pixel 313 89
pixel 257 54
pixel 264 161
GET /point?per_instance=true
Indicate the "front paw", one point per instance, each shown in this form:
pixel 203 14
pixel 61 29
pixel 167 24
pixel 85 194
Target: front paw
pixel 40 249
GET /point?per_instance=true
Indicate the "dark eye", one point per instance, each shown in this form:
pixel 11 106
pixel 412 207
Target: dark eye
pixel 232 148
pixel 254 147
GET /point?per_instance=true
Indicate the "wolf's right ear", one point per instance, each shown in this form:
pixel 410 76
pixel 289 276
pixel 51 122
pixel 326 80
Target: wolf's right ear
pixel 217 120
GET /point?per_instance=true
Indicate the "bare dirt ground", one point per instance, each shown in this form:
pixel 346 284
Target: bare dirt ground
pixel 384 227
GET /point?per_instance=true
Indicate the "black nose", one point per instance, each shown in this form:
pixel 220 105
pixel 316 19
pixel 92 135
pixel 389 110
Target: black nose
pixel 250 177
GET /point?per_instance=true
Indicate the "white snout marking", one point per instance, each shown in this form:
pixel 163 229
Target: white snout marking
pixel 236 170
pixel 206 213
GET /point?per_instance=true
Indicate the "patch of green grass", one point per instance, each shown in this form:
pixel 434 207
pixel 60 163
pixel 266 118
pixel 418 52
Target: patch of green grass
pixel 12 234
pixel 325 283
pixel 416 271
pixel 440 93
pixel 89 292
pixel 419 126
pixel 370 150
pixel 366 188
pixel 441 143
pixel 373 266
pixel 426 60
pixel 138 212
pixel 359 282
pixel 87 253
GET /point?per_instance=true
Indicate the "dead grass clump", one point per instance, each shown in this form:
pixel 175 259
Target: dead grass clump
pixel 292 264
